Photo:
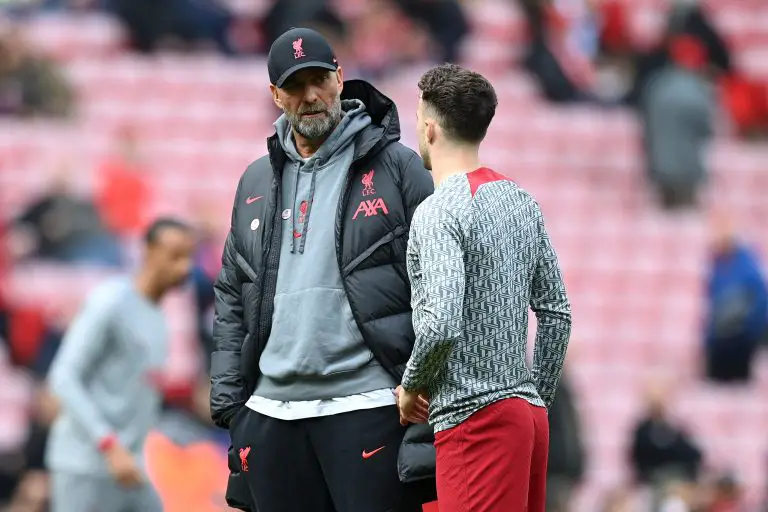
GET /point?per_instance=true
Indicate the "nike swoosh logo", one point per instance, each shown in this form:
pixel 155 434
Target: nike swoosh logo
pixel 252 199
pixel 368 455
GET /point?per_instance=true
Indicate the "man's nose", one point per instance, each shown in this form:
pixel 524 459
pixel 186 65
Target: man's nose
pixel 311 94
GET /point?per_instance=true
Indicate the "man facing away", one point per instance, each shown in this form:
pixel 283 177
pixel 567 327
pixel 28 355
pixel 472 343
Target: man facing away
pixel 478 257
pixel 313 322
pixel 107 378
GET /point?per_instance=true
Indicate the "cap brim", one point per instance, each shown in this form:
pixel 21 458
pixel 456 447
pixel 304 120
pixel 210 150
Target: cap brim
pixel 304 65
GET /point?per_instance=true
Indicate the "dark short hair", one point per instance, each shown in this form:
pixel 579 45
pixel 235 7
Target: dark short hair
pixel 159 225
pixel 463 100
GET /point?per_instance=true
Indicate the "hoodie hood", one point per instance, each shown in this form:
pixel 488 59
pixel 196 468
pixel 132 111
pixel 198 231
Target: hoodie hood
pixel 385 122
pixel 354 120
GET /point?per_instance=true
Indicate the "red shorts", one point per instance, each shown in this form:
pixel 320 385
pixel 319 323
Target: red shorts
pixel 495 461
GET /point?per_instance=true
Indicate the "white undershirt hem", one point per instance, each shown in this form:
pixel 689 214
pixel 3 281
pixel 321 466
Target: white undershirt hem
pixel 316 408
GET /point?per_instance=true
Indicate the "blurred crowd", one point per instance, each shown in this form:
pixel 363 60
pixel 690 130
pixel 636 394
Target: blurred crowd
pixel 577 52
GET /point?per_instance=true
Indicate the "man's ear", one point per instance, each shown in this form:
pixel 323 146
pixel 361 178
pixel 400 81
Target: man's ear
pixel 275 97
pixel 431 131
pixel 340 78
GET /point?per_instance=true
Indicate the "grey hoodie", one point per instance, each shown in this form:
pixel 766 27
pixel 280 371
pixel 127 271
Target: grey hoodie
pixel 315 349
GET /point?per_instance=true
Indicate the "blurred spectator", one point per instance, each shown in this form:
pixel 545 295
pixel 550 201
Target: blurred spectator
pixel 361 38
pixel 688 17
pixel 661 450
pixel 373 51
pixel 681 497
pixel 727 496
pixel 685 18
pixel 123 190
pixel 286 14
pixel 22 330
pixel 155 24
pixel 565 467
pixel 30 84
pixel 746 101
pixel 62 227
pixel 204 272
pixel 445 21
pixel 32 491
pixel 545 28
pixel 620 500
pixel 582 34
pixel 614 34
pixel 26 7
pixel 11 468
pixel 737 311
pixel 677 109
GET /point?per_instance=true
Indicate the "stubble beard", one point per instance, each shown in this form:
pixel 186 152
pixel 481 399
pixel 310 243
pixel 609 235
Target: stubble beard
pixel 424 153
pixel 319 127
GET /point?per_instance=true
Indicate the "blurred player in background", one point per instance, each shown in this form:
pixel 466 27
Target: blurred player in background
pixel 478 257
pixel 107 377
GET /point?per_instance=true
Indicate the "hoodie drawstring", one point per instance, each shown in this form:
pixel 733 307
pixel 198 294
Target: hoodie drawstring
pixel 311 198
pixel 309 201
pixel 293 208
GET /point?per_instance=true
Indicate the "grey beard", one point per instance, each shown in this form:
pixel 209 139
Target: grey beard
pixel 319 128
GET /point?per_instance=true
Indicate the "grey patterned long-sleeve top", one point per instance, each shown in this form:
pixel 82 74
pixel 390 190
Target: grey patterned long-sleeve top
pixel 478 257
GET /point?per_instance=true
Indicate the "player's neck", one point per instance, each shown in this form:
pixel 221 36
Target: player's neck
pixel 454 161
pixel 147 286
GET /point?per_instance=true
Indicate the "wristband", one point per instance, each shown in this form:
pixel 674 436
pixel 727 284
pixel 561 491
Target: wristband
pixel 107 442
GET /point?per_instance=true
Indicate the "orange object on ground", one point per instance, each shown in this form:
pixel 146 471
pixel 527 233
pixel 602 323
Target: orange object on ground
pixel 190 478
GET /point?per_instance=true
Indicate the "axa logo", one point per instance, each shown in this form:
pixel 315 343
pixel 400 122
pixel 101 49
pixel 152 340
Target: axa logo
pixel 371 207
pixel 367 180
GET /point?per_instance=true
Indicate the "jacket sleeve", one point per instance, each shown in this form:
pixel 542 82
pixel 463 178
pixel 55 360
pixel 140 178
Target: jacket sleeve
pixel 227 386
pixel 417 184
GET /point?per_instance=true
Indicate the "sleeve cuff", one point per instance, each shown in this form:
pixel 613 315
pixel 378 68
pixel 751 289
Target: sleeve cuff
pixel 107 442
pixel 407 382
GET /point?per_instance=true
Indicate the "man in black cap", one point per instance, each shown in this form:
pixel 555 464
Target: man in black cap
pixel 313 319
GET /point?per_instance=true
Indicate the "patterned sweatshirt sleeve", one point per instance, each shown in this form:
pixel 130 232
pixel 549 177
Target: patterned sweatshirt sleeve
pixel 438 296
pixel 553 315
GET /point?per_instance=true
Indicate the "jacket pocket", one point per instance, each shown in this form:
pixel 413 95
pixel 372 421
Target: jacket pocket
pixel 226 385
pixel 238 496
pixel 386 239
pixel 417 459
pixel 246 269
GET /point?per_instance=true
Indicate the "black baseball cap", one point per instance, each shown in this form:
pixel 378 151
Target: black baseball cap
pixel 299 48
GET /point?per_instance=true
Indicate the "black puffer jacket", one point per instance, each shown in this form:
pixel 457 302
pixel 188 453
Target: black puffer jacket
pixel 372 224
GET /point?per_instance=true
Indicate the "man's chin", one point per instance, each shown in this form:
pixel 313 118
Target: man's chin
pixel 315 134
